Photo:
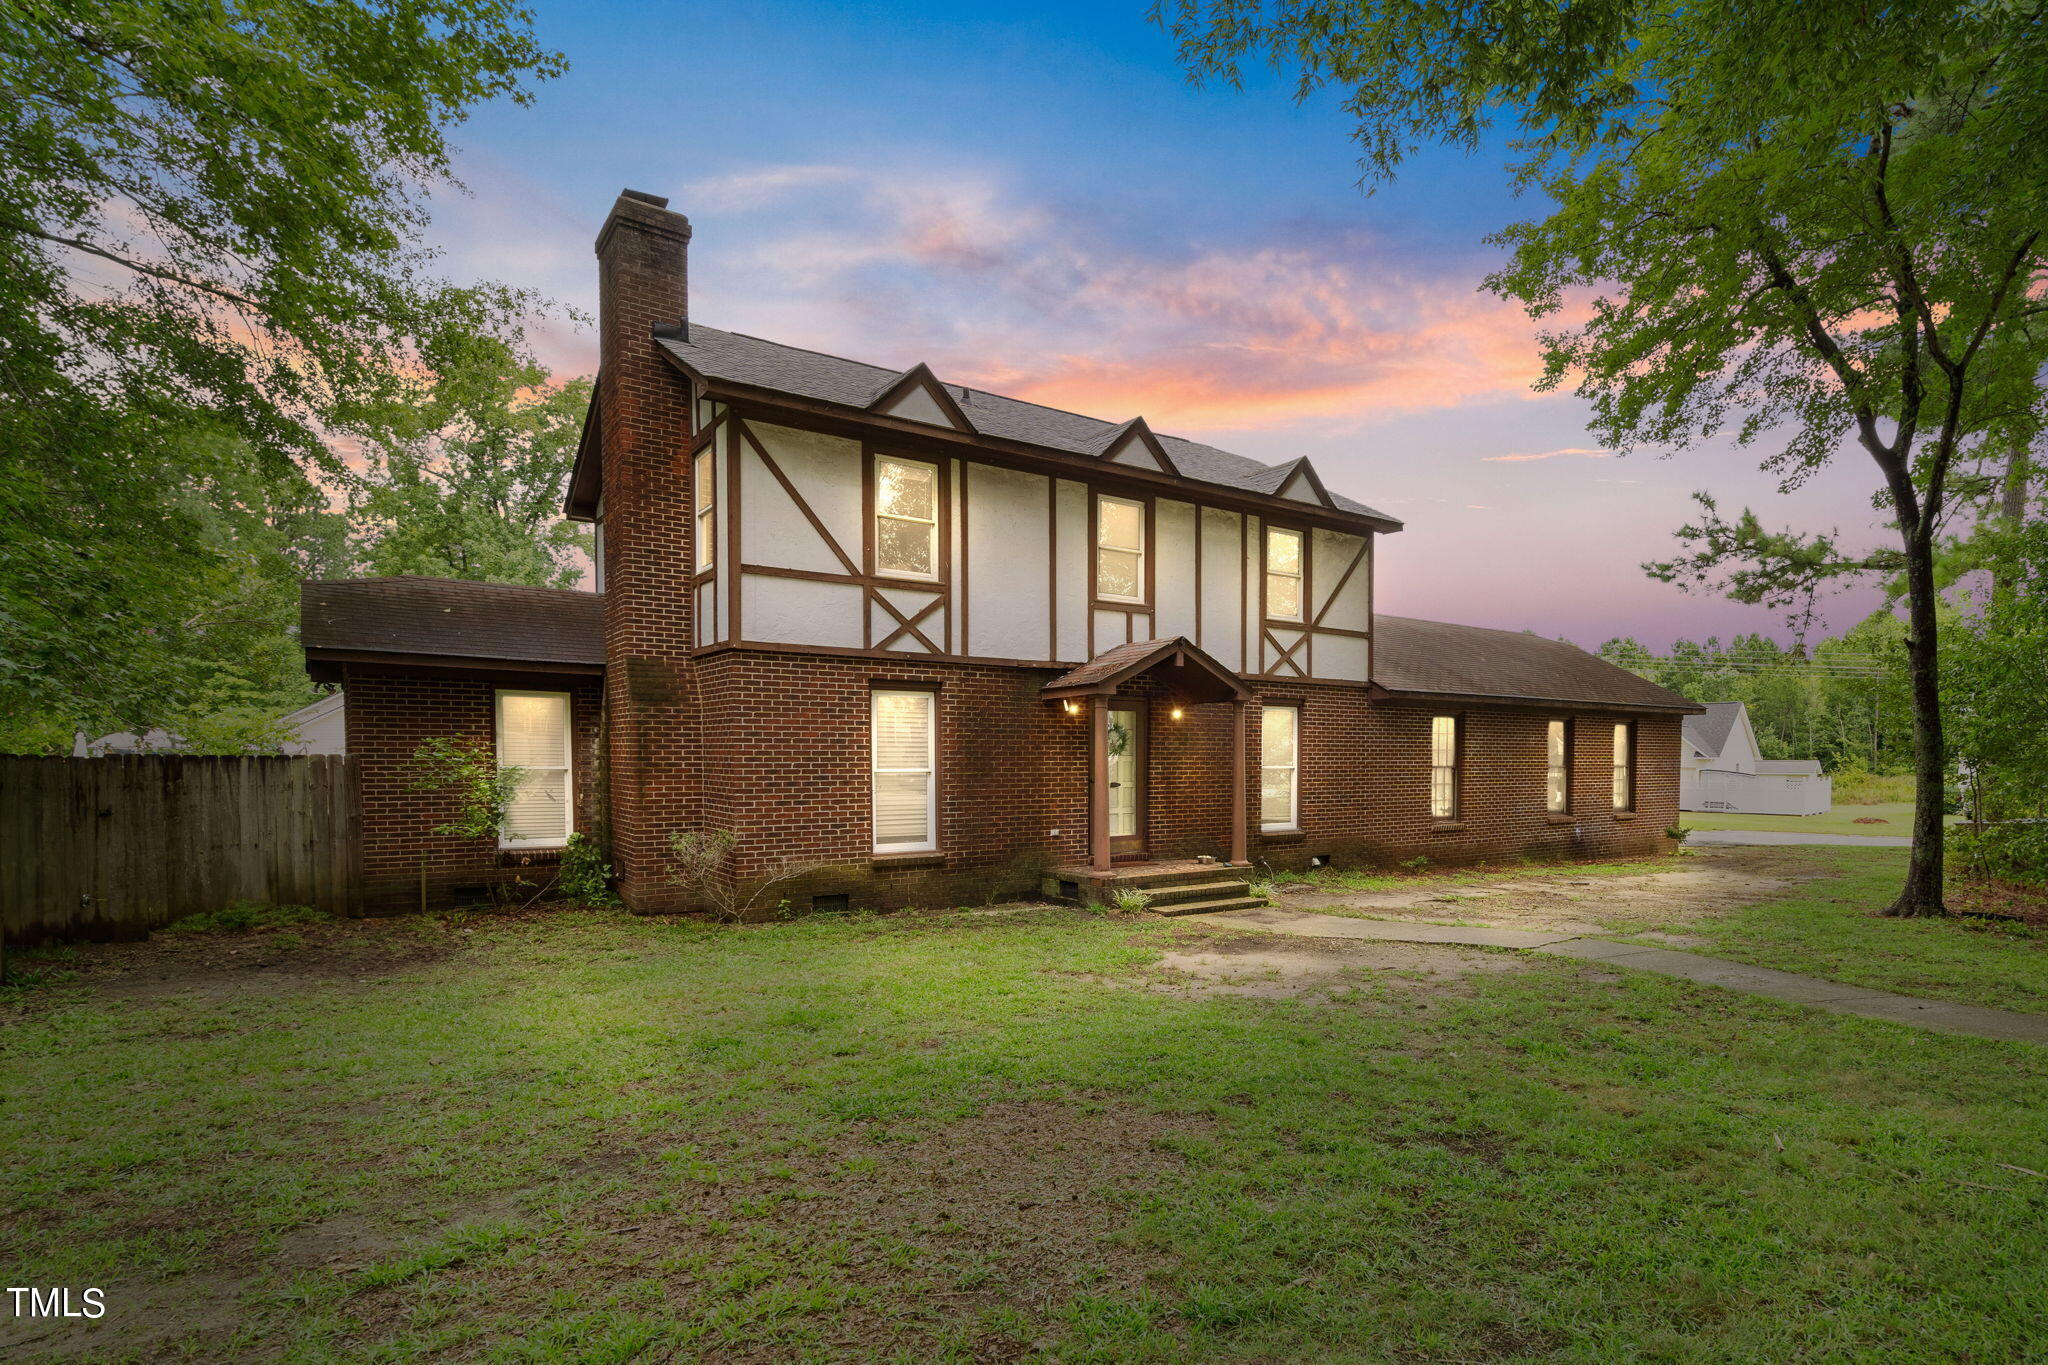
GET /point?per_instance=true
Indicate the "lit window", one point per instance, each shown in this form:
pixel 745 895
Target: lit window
pixel 1624 766
pixel 906 518
pixel 707 526
pixel 1443 767
pixel 1283 574
pixel 901 754
pixel 533 736
pixel 1557 785
pixel 1119 549
pixel 1279 767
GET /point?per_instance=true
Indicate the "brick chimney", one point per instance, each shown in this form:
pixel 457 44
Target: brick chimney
pixel 644 437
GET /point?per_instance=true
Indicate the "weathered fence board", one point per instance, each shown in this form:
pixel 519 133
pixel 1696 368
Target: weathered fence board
pixel 115 847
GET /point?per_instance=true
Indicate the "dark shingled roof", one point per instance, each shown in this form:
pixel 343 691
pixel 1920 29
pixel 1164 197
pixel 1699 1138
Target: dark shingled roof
pixel 1441 659
pixel 740 359
pixel 1709 732
pixel 452 618
pixel 1196 674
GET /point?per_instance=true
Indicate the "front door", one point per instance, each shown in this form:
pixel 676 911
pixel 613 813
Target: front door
pixel 1126 780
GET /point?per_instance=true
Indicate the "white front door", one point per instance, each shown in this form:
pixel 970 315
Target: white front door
pixel 1126 777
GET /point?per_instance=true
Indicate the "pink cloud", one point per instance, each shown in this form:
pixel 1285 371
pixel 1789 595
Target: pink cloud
pixel 1590 454
pixel 1014 297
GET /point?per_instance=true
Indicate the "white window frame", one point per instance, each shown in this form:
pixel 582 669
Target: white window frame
pixel 1300 577
pixel 1624 765
pixel 1293 771
pixel 930 770
pixel 1451 808
pixel 568 769
pixel 1562 768
pixel 931 525
pixel 1140 549
pixel 704 469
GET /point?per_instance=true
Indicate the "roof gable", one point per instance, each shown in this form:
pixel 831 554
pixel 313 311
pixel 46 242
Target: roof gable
pixel 916 395
pixel 1303 484
pixel 1134 444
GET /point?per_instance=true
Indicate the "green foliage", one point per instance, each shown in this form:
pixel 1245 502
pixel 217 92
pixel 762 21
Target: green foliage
pixel 1130 900
pixel 1997 669
pixel 585 877
pixel 2015 851
pixel 465 480
pixel 242 917
pixel 1844 700
pixel 209 263
pixel 1800 226
pixel 469 768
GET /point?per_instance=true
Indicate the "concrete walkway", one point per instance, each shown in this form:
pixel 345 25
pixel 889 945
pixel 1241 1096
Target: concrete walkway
pixel 1793 836
pixel 1941 1015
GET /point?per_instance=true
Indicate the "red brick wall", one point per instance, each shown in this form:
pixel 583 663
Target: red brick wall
pixel 644 435
pixel 390 713
pixel 784 752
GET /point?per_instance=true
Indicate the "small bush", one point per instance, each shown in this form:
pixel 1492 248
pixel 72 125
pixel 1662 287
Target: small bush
pixel 585 878
pixel 243 917
pixel 1678 832
pixel 1419 863
pixel 1265 891
pixel 2016 851
pixel 1129 900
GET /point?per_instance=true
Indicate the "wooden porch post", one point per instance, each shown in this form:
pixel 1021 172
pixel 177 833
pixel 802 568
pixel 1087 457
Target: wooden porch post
pixel 1239 841
pixel 1098 782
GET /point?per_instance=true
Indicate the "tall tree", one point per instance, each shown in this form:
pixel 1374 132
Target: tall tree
pixel 209 260
pixel 467 481
pixel 1805 225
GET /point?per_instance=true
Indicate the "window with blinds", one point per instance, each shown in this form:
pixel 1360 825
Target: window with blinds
pixel 533 736
pixel 1279 767
pixel 1119 549
pixel 707 503
pixel 906 518
pixel 1557 781
pixel 901 726
pixel 1624 766
pixel 1443 767
pixel 1283 574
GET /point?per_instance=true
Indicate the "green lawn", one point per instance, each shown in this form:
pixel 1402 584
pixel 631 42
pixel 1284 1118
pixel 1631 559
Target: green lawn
pixel 968 1137
pixel 1897 817
pixel 1825 928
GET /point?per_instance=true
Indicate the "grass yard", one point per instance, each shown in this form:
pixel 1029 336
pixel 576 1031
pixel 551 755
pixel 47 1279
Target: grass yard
pixel 1003 1136
pixel 1841 819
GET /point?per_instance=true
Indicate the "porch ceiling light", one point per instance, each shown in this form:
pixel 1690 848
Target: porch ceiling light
pixel 1072 708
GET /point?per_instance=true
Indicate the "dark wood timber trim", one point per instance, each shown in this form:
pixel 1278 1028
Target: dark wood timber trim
pixel 734 628
pixel 1052 567
pixel 901 433
pixel 920 376
pixel 803 505
pixel 909 627
pixel 1245 661
pixel 941 467
pixel 966 554
pixel 1343 581
pixel 1199 510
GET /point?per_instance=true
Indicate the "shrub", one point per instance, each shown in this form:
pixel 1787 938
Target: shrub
pixel 468 767
pixel 2016 851
pixel 1678 832
pixel 586 877
pixel 1265 891
pixel 1129 900
pixel 242 917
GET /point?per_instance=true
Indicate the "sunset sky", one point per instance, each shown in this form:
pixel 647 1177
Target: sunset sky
pixel 1033 200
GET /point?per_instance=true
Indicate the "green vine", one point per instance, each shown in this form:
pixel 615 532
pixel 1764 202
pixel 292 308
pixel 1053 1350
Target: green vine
pixel 469 768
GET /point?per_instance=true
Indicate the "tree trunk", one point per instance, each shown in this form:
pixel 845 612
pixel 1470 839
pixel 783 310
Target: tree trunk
pixel 1922 895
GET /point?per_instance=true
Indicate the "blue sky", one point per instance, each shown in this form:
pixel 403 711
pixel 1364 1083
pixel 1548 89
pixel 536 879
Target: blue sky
pixel 1034 200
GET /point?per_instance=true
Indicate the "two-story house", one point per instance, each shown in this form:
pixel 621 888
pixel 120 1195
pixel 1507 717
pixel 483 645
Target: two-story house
pixel 938 645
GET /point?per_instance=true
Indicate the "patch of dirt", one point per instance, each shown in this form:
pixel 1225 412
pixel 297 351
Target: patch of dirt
pixel 1701 884
pixel 1274 967
pixel 219 965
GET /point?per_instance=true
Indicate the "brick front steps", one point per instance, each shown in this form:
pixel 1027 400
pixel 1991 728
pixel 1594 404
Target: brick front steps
pixel 1175 888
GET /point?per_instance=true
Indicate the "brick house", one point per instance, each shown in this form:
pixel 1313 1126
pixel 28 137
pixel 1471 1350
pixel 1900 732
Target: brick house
pixel 934 645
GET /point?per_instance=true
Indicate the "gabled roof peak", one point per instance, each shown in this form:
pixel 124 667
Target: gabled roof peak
pixel 918 395
pixel 1133 443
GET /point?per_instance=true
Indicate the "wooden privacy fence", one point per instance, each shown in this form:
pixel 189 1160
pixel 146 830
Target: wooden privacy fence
pixel 116 847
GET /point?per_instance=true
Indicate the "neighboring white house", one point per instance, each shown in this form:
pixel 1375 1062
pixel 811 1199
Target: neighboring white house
pixel 1722 768
pixel 319 727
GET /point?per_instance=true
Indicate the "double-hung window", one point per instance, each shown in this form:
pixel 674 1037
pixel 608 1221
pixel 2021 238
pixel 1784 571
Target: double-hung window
pixel 1119 549
pixel 906 518
pixel 1283 574
pixel 533 736
pixel 1279 767
pixel 1557 780
pixel 707 507
pixel 902 728
pixel 1624 765
pixel 1444 753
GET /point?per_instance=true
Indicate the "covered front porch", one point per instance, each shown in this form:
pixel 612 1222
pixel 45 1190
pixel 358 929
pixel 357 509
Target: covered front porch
pixel 1133 699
